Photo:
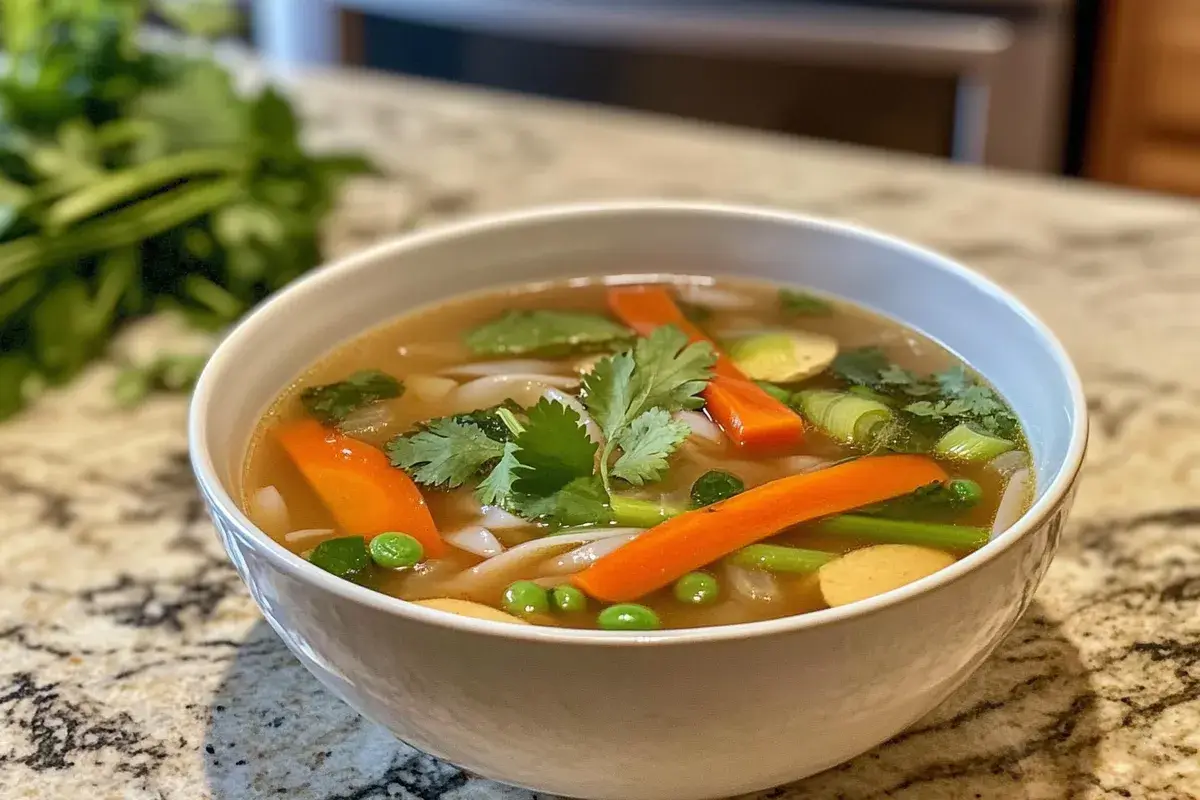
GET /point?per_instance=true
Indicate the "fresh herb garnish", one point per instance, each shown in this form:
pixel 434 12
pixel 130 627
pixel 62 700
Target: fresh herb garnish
pixel 646 444
pixel 963 399
pixel 583 501
pixel 862 366
pixel 552 450
pixel 332 402
pixel 803 304
pixel 662 371
pixel 497 488
pixel 714 486
pixel 445 453
pixel 546 333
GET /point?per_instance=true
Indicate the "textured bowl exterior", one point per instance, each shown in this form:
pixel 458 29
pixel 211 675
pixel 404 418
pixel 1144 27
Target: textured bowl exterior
pixel 677 714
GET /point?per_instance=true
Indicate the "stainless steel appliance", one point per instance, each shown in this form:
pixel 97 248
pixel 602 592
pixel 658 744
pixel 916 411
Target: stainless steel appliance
pixel 991 73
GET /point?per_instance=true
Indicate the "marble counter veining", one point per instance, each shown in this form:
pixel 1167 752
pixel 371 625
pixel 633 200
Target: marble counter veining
pixel 134 665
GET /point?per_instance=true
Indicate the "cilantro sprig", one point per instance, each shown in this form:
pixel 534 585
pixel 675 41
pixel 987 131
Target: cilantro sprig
pixel 331 403
pixel 547 333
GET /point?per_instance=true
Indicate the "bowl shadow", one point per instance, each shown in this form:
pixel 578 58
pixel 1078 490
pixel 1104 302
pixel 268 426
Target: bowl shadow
pixel 1027 718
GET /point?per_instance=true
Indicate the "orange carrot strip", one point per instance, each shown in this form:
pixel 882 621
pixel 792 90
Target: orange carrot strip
pixel 359 486
pixel 748 415
pixel 688 542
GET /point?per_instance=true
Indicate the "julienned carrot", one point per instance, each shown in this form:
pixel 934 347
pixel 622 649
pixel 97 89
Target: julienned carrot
pixel 355 481
pixel 690 541
pixel 749 416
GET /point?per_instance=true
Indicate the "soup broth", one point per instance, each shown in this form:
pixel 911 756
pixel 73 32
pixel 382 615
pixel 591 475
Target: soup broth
pixel 828 400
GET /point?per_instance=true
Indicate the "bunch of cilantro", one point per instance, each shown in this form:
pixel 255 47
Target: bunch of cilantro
pixel 133 181
pixel 928 405
pixel 542 465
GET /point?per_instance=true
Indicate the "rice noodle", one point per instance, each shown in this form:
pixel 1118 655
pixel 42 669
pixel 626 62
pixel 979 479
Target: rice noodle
pixel 495 389
pixel 522 554
pixel 753 584
pixel 701 426
pixel 368 419
pixel 497 518
pixel 699 294
pixel 1008 463
pixel 796 465
pixel 514 366
pixel 429 388
pixel 1012 502
pixel 585 419
pixel 269 511
pixel 309 537
pixel 475 539
pixel 574 561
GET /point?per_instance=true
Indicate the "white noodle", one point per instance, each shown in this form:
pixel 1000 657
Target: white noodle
pixel 796 465
pixel 269 511
pixel 309 537
pixel 702 427
pixel 368 419
pixel 753 584
pixel 495 389
pixel 498 519
pixel 515 366
pixel 475 539
pixel 429 388
pixel 1008 463
pixel 711 297
pixel 529 551
pixel 1012 502
pixel 585 419
pixel 574 561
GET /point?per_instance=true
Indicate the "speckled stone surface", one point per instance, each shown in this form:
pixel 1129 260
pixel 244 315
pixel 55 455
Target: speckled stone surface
pixel 133 664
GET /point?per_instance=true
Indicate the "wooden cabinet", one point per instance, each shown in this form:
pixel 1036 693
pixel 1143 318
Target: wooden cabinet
pixel 1146 114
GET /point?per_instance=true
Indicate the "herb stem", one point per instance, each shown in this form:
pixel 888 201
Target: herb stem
pixel 634 513
pixel 510 421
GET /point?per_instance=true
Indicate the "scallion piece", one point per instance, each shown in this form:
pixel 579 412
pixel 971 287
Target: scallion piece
pixel 778 558
pixel 634 513
pixel 959 538
pixel 849 418
pixel 964 443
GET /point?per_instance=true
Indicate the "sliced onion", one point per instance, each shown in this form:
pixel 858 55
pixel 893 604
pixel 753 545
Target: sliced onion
pixel 269 511
pixel 475 539
pixel 429 388
pixel 368 419
pixel 514 366
pixel 309 537
pixel 699 294
pixel 495 389
pixel 702 427
pixel 574 561
pixel 522 554
pixel 753 584
pixel 1008 463
pixel 585 419
pixel 497 518
pixel 1012 502
pixel 585 364
pixel 796 465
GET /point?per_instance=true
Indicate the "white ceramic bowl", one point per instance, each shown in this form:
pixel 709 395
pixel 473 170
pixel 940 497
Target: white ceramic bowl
pixel 671 714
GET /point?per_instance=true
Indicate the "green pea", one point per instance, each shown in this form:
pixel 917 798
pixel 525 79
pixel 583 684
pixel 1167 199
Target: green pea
pixel 628 617
pixel 396 550
pixel 697 588
pixel 966 492
pixel 345 557
pixel 524 598
pixel 568 599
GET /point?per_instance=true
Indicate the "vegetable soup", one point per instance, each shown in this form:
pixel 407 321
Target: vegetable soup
pixel 635 456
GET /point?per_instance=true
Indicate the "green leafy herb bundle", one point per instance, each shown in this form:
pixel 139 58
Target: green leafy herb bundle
pixel 134 181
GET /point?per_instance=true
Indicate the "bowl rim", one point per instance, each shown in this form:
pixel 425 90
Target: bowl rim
pixel 293 565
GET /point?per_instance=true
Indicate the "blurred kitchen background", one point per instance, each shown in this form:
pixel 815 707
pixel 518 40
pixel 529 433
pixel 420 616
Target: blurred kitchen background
pixel 1105 89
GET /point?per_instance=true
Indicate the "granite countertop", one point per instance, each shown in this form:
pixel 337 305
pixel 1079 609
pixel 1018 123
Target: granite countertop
pixel 134 665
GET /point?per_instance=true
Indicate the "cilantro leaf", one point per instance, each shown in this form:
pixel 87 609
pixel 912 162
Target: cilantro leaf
pixel 646 444
pixel 861 366
pixel 803 304
pixel 333 402
pixel 497 488
pixel 546 333
pixel 583 501
pixel 608 392
pixel 553 450
pixel 445 453
pixel 489 420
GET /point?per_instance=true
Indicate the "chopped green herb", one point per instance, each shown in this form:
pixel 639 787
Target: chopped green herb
pixel 553 450
pixel 546 333
pixel 333 402
pixel 937 501
pixel 445 453
pixel 583 501
pixel 646 444
pixel 861 366
pixel 497 488
pixel 803 304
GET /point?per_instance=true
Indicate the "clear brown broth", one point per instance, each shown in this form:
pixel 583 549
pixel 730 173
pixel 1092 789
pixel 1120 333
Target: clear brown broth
pixel 430 340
